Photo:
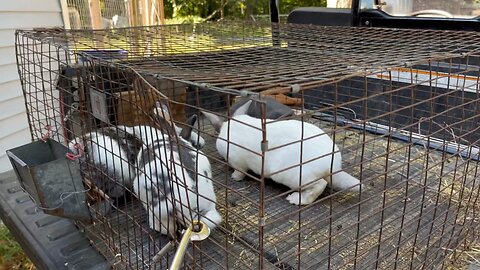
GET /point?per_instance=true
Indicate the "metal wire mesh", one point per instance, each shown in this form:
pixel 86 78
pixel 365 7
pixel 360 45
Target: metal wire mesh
pixel 401 105
pixel 114 13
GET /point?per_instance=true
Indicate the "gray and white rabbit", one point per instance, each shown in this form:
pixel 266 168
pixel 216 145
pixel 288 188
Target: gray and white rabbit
pixel 242 136
pixel 113 151
pixel 111 154
pixel 174 183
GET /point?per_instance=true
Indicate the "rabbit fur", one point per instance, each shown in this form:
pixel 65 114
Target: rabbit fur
pixel 285 136
pixel 172 174
pixel 113 150
pixel 273 108
pixel 113 153
pixel 166 189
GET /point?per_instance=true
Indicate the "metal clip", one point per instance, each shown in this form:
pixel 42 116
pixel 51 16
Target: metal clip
pixel 262 221
pixel 264 146
pixel 79 149
pixel 295 88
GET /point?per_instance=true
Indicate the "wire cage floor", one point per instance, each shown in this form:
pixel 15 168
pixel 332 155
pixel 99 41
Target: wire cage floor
pixel 330 234
pixel 402 106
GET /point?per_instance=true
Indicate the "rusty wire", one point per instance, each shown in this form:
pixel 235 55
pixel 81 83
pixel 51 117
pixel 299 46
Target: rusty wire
pixel 401 105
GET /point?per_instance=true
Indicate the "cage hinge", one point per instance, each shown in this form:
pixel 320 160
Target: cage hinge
pixel 264 146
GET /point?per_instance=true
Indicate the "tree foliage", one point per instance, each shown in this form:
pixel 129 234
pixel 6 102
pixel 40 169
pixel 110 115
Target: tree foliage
pixel 231 8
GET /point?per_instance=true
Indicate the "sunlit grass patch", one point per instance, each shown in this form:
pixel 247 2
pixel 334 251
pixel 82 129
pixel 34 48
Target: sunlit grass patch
pixel 12 256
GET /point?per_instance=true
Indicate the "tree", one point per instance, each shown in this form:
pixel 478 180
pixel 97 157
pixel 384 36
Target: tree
pixel 216 9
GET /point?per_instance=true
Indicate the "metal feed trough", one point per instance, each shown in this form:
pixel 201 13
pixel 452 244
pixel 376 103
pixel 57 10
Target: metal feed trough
pixel 52 180
pixel 401 105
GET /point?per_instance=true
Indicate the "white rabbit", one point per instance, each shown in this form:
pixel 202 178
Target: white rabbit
pixel 273 108
pixel 173 183
pixel 111 152
pixel 285 136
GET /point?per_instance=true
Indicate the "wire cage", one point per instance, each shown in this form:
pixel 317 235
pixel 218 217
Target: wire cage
pixel 359 145
pixel 84 14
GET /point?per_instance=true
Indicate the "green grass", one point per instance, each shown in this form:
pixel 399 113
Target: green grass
pixel 176 39
pixel 11 254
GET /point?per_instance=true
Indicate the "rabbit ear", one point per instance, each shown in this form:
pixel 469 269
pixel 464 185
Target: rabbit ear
pixel 242 109
pixel 186 132
pixel 161 110
pixel 163 118
pixel 216 121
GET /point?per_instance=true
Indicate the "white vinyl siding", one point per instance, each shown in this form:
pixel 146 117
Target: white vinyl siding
pixel 18 14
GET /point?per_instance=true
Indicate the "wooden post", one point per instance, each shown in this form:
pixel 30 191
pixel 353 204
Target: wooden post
pixel 159 12
pixel 65 14
pixel 145 12
pixel 153 11
pixel 133 13
pixel 95 14
pixel 96 20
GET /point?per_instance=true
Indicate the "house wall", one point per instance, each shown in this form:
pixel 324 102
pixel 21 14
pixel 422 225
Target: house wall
pixel 18 14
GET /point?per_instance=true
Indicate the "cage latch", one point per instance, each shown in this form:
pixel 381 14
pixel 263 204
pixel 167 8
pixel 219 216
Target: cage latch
pixel 197 231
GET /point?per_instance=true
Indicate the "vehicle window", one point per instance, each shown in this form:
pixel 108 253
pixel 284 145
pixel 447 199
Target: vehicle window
pixel 427 8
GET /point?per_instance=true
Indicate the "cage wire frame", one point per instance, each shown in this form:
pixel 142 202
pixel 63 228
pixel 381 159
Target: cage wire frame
pixel 84 14
pixel 95 14
pixel 401 105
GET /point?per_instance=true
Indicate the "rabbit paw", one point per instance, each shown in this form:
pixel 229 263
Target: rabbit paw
pixel 237 175
pixel 294 198
pixel 308 195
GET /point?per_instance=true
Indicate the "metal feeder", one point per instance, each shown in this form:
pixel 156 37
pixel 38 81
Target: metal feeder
pixel 52 180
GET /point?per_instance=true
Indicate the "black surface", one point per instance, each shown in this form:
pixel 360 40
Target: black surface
pixel 274 15
pixel 50 242
pixel 377 18
pixel 408 106
pixel 321 16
